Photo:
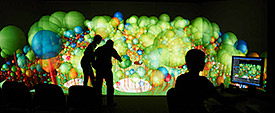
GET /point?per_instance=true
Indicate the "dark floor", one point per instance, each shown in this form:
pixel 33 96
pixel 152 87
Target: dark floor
pixel 125 104
pixel 158 104
pixel 142 104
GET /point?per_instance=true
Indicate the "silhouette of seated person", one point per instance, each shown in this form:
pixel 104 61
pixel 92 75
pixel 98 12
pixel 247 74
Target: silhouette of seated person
pixel 88 58
pixel 103 66
pixel 191 89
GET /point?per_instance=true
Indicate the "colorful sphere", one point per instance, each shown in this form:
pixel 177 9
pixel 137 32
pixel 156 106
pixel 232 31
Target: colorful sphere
pixel 253 54
pixel 57 18
pixel 135 41
pixel 5 66
pixel 12 38
pixel 119 16
pixel 141 71
pixel 78 30
pixel 14 68
pixel 242 48
pixel 72 73
pixel 73 45
pixel 120 46
pixel 131 71
pixel 22 61
pixel 69 34
pixel 139 52
pixel 115 21
pixel 164 71
pixel 29 73
pixel 164 17
pixel 39 68
pixel 157 78
pixel 3 54
pixel 167 78
pixel 65 68
pixel 26 49
pixel 241 45
pixel 119 74
pixel 46 44
pixel 73 19
pixel 240 42
pixel 125 64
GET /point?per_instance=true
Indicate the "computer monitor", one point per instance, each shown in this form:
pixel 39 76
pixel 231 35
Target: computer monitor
pixel 247 70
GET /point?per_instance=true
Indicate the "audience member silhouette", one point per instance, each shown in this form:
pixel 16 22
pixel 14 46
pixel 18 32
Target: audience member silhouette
pixel 88 58
pixel 191 89
pixel 103 66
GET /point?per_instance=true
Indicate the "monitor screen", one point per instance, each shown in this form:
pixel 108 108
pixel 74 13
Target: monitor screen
pixel 247 70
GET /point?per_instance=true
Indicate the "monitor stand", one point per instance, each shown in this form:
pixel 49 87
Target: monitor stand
pixel 252 90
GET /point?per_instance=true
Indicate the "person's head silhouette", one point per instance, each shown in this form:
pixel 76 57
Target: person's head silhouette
pixel 109 44
pixel 195 60
pixel 97 39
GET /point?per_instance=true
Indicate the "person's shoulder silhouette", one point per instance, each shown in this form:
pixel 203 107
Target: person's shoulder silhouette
pixel 104 54
pixel 195 63
pixel 192 88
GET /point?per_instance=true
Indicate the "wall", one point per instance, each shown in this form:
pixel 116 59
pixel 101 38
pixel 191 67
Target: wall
pixel 246 18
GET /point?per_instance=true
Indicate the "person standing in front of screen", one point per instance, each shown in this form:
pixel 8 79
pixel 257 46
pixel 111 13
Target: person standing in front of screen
pixel 87 59
pixel 191 89
pixel 103 66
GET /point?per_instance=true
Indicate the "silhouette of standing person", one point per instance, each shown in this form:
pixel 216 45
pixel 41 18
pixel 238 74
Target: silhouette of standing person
pixel 191 89
pixel 87 59
pixel 103 68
